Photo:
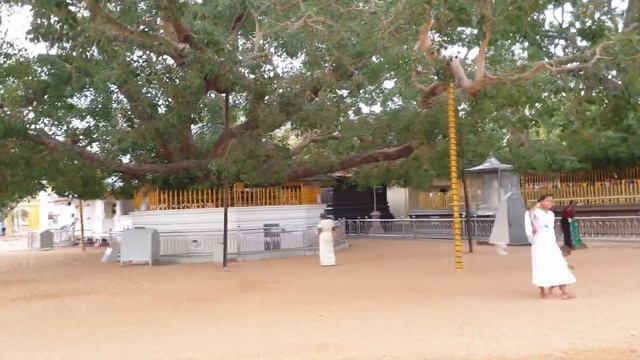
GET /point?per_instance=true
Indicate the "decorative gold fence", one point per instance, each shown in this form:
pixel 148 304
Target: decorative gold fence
pixel 595 188
pixel 441 200
pixel 239 196
pixel 610 193
pixel 593 176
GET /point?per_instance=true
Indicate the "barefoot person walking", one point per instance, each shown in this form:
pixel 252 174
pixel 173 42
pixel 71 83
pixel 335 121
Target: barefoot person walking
pixel 549 268
pixel 326 229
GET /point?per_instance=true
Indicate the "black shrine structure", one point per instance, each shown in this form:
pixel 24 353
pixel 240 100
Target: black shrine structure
pixel 347 201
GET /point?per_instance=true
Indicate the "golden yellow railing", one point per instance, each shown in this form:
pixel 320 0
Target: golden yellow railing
pixel 239 196
pixel 605 193
pixel 138 199
pixel 440 200
pixel 582 177
pixel 608 193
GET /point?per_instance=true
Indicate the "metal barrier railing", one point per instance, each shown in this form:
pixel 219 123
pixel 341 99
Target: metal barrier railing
pixel 618 228
pixel 240 241
pixel 611 229
pixel 61 237
pixel 416 228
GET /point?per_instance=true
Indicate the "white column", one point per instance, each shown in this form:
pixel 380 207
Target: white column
pixel 45 208
pixel 98 215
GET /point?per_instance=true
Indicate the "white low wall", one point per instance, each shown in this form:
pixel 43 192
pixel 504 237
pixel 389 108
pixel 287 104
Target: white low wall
pixel 288 217
pixel 122 222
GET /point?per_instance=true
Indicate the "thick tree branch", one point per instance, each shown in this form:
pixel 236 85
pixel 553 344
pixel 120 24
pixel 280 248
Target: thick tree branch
pixel 459 74
pixel 52 145
pixel 188 147
pixel 144 110
pixel 486 20
pixel 217 82
pixel 361 7
pixel 424 41
pixel 227 112
pixel 562 65
pixel 140 171
pixel 350 162
pixel 139 104
pixel 632 15
pixel 431 93
pixel 307 19
pixel 229 133
pixel 176 30
pixel 258 48
pixel 113 28
pixel 309 139
pixel 224 141
pixel 62 11
pixel 238 22
pixel 557 66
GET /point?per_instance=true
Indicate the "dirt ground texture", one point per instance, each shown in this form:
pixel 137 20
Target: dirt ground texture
pixel 385 300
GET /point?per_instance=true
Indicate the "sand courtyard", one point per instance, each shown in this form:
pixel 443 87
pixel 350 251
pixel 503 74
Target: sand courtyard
pixel 386 299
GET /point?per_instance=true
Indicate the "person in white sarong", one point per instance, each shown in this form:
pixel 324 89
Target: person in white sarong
pixel 326 230
pixel 548 265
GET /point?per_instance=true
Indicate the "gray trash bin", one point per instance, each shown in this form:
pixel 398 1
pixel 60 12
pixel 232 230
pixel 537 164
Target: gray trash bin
pixel 45 240
pixel 140 245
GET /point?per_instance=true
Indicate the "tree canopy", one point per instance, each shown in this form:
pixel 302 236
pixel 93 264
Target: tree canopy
pixel 180 93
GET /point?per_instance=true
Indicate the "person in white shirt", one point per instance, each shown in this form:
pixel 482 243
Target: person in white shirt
pixel 548 265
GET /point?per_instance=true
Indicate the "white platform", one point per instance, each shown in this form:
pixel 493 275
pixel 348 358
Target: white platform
pixel 193 235
pixel 289 217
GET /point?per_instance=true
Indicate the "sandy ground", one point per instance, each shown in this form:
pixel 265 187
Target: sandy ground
pixel 385 300
pixel 13 243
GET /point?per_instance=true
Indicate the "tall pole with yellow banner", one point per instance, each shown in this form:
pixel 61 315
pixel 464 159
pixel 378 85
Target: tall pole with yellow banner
pixel 453 167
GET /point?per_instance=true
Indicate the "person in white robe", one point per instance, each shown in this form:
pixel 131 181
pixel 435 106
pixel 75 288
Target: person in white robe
pixel 548 265
pixel 500 231
pixel 326 231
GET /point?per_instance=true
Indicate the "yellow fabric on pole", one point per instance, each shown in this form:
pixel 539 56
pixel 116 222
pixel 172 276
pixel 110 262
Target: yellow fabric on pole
pixel 455 198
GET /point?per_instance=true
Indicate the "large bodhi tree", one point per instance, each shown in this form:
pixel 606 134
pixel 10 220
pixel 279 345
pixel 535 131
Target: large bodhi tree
pixel 177 93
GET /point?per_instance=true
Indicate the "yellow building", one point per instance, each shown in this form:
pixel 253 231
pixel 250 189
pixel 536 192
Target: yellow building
pixel 25 217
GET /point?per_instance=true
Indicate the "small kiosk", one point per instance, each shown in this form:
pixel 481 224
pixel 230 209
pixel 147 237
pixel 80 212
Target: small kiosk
pixel 499 187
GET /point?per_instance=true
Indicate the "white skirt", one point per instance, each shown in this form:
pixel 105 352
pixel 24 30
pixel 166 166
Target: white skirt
pixel 548 266
pixel 327 255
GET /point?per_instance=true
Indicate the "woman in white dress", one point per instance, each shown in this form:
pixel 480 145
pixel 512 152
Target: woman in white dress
pixel 326 229
pixel 548 265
